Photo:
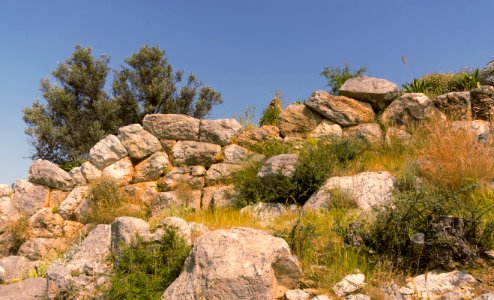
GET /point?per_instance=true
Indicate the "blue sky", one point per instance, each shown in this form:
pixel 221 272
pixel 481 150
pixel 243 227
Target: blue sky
pixel 245 49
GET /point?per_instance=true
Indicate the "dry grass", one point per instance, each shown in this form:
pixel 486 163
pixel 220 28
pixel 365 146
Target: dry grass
pixel 107 201
pixel 450 157
pixel 18 232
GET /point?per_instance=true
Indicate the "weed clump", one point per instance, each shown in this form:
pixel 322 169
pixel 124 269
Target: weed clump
pixel 107 201
pixel 453 228
pixel 145 270
pixel 317 161
pixel 17 232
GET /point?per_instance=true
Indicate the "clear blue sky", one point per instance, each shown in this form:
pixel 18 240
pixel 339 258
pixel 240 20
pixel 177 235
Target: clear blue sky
pixel 245 49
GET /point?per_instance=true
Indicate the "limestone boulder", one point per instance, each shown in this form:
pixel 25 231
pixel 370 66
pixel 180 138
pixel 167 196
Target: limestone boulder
pixel 51 175
pixel 349 284
pixel 219 132
pixel 124 231
pixel 73 200
pixel 46 224
pixel 172 126
pixel 297 295
pixel 278 167
pixel 77 176
pixel 240 263
pixel 455 105
pixel 121 171
pixel 437 282
pixel 297 120
pixel 15 268
pixel 220 173
pixel 235 154
pixel 144 192
pixel 224 196
pixel 340 109
pixel 183 199
pixel 6 190
pixel 84 273
pixel 261 134
pixel 33 288
pixel 487 74
pixel 7 211
pixel 90 172
pixel 29 198
pixel 482 100
pixel 367 190
pixel 138 142
pixel 327 130
pixel 106 152
pixel 370 133
pixel 191 153
pixel 479 130
pixel 172 181
pixel 151 168
pixel 410 109
pixel 376 91
pixel 395 135
pixel 39 248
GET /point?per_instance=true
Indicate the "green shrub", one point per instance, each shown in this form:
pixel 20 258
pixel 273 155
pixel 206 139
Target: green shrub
pixel 108 201
pixel 317 161
pixel 419 211
pixel 437 84
pixel 272 112
pixel 337 76
pixel 145 270
pixel 69 165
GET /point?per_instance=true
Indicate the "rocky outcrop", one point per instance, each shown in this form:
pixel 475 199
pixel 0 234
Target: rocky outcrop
pixel 187 231
pixel 377 92
pixel 14 268
pixel 278 167
pixel 327 130
pixel 90 172
pixel 240 263
pixel 487 74
pixel 219 132
pixel 106 152
pixel 138 142
pixel 256 135
pixel 151 168
pixel 479 130
pixel 69 205
pixel 267 213
pixel 436 283
pixel 297 120
pixel 188 153
pixel 84 273
pixel 455 105
pixel 349 284
pixel 369 133
pixel 396 135
pixel 367 189
pixel 340 109
pixel 6 190
pixel 49 174
pixel 409 109
pixel 220 173
pixel 235 154
pixel 172 127
pixel 28 198
pixel 34 288
pixel 121 171
pixel 483 103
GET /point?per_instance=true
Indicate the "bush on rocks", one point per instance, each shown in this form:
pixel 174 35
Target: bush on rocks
pixel 145 270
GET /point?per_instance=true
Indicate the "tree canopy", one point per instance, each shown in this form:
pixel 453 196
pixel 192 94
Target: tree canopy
pixel 79 112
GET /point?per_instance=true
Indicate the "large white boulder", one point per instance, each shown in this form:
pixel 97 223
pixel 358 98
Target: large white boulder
pixel 376 91
pixel 106 152
pixel 219 132
pixel 196 153
pixel 340 109
pixel 138 142
pixel 240 263
pixel 172 126
pixel 51 175
pixel 29 198
pixel 367 189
